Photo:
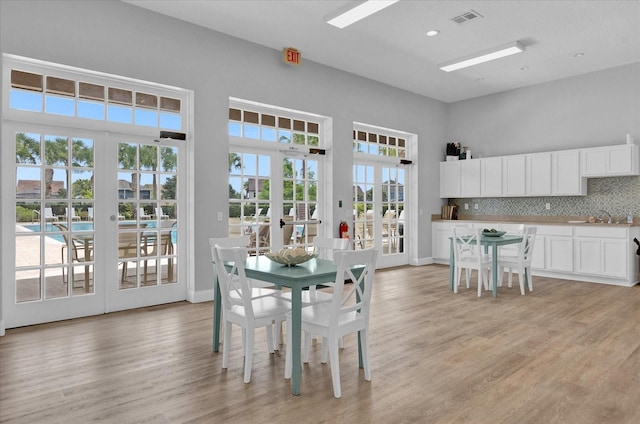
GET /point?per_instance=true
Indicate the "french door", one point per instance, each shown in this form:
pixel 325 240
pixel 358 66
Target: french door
pixel 379 212
pixel 273 197
pixel 79 245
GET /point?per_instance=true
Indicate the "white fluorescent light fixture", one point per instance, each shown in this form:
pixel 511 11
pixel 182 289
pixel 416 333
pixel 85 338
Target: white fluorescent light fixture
pixel 360 11
pixel 485 56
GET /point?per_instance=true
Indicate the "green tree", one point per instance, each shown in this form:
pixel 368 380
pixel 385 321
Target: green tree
pixel 82 189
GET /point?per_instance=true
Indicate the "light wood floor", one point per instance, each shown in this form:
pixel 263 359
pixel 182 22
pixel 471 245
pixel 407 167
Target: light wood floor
pixel 567 353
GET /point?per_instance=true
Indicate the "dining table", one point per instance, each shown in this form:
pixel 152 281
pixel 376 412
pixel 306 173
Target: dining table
pixel 487 242
pixel 311 273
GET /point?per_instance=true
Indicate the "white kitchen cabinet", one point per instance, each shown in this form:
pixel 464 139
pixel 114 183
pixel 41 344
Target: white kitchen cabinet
pixel 450 179
pixel 610 161
pixel 441 247
pixel 566 178
pixel 470 178
pixel 513 175
pixel 559 249
pixel 491 177
pixel 602 251
pixel 538 174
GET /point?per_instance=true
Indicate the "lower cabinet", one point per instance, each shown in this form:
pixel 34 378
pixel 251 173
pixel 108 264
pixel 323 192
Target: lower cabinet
pixel 559 253
pixel 602 251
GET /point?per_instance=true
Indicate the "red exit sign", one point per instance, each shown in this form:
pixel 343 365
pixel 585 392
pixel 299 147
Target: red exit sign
pixel 291 56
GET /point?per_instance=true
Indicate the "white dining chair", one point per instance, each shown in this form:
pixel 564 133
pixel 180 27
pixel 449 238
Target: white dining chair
pixel 520 262
pixel 325 248
pixel 242 308
pixel 468 255
pixel 258 288
pixel 348 312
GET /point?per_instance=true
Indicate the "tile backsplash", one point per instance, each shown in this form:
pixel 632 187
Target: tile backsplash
pixel 616 195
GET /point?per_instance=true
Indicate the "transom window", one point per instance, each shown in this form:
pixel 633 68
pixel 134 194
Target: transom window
pixel 376 143
pixel 271 127
pixel 52 94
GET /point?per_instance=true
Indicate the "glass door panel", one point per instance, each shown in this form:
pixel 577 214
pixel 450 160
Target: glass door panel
pixel 147 248
pixel 378 211
pixel 250 211
pixel 53 274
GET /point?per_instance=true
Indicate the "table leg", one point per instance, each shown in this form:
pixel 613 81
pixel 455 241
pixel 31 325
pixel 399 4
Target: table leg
pixel 217 304
pixel 494 269
pixel 296 335
pixel 452 265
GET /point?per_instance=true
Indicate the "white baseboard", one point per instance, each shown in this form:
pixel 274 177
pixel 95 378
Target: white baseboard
pixel 200 296
pixel 2 328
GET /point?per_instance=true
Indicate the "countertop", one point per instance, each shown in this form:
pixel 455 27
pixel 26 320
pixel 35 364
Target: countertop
pixel 539 220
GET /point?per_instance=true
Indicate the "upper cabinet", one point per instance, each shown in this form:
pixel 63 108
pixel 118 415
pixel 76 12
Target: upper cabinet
pixel 610 161
pixel 450 179
pixel 566 178
pixel 562 173
pixel 513 175
pixel 538 171
pixel 491 177
pixel 470 178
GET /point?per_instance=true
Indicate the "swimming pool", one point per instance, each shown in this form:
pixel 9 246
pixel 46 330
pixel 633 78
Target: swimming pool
pixel 50 229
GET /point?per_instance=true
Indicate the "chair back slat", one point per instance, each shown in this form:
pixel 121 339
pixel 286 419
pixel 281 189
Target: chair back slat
pixel 358 298
pixel 325 246
pixel 234 285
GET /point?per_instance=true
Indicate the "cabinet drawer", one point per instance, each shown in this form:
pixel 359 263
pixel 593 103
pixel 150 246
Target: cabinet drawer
pixel 554 230
pixel 607 232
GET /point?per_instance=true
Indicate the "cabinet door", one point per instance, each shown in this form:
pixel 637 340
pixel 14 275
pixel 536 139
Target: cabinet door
pixel 491 177
pixel 513 173
pixel 449 179
pixel 559 253
pixel 441 245
pixel 614 258
pixel 470 178
pixel 566 178
pixel 588 256
pixel 593 162
pixel 538 171
pixel 620 160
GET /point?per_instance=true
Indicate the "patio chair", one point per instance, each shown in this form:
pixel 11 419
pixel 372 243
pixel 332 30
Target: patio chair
pixel 70 213
pixel 142 214
pixel 49 215
pixel 78 251
pixel 160 213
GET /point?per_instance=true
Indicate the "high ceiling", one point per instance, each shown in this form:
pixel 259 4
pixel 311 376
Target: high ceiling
pixel 391 46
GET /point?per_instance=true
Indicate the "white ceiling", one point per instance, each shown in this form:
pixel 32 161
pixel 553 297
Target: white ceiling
pixel 391 46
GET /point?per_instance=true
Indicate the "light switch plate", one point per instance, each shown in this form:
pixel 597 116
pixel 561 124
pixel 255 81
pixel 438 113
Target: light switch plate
pixel 219 216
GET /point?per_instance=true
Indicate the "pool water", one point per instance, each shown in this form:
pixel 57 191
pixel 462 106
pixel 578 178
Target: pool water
pixel 82 226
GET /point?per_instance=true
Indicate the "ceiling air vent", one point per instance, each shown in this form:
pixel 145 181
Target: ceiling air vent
pixel 466 17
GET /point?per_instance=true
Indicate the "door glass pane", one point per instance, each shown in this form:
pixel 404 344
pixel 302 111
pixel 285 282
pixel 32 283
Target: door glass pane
pixel 147 215
pixel 363 195
pixel 250 210
pixel 53 231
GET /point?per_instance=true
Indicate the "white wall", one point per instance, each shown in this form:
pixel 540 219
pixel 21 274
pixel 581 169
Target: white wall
pixel 118 38
pixel 595 109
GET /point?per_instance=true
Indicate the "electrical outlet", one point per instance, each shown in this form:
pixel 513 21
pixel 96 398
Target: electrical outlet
pixel 466 206
pixel 475 206
pixel 547 206
pixel 219 216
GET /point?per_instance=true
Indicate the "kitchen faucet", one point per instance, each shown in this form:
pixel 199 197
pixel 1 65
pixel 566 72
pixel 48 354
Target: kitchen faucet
pixel 606 213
